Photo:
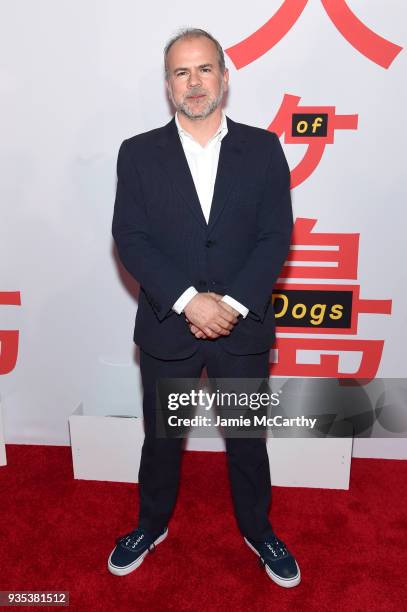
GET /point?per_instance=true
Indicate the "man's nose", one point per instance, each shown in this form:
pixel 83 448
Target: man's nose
pixel 194 78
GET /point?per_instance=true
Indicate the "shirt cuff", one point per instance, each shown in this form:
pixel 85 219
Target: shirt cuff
pixel 236 305
pixel 184 299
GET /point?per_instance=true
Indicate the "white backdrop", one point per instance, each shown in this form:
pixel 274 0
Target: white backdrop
pixel 79 77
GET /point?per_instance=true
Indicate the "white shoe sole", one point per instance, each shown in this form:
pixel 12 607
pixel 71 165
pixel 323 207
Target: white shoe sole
pixel 122 571
pixel 287 583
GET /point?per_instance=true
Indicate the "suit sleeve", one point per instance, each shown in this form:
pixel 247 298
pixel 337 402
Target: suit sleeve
pixel 161 280
pixel 254 283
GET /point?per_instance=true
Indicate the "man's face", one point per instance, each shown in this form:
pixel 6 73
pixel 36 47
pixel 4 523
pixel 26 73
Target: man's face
pixel 195 83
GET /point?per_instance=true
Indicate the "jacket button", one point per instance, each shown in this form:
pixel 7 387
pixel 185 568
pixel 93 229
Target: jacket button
pixel 209 243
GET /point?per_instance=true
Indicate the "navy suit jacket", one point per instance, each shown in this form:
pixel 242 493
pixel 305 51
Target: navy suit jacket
pixel 164 242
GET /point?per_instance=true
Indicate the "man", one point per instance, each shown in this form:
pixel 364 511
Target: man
pixel 203 221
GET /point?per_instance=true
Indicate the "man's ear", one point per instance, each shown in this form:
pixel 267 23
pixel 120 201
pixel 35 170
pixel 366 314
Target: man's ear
pixel 226 79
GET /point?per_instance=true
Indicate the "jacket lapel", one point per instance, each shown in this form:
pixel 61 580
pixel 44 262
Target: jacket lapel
pixel 175 163
pixel 229 170
pixel 173 160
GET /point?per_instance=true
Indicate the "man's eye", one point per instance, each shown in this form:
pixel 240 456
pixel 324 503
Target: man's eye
pixel 206 69
pixel 182 73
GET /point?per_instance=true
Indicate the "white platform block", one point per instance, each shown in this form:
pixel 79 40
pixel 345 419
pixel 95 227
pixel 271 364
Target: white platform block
pixel 305 462
pixel 105 447
pixel 299 462
pixel 109 448
pixel 380 448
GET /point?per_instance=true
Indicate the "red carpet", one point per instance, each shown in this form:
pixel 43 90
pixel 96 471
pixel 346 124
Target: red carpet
pixel 58 532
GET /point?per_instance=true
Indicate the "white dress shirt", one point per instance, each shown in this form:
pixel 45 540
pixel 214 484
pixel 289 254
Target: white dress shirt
pixel 203 164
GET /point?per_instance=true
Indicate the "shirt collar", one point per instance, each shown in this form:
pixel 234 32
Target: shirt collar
pixel 219 134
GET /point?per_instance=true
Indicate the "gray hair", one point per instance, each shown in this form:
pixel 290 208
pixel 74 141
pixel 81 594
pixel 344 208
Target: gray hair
pixel 186 33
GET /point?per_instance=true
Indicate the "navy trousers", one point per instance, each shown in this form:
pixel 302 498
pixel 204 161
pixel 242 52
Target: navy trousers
pixel 247 459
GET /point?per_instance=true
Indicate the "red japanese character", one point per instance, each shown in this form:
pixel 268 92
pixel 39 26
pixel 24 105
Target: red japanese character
pixel 9 338
pixel 371 45
pixel 282 124
pixel 287 363
pixel 344 257
pixel 368 43
pixel 308 315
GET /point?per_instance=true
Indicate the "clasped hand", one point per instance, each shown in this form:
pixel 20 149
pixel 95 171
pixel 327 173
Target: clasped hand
pixel 209 317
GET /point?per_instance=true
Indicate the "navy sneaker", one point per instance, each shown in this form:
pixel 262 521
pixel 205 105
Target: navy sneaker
pixel 131 549
pixel 278 562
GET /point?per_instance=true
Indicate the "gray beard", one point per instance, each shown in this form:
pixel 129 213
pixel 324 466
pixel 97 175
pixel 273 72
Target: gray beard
pixel 211 105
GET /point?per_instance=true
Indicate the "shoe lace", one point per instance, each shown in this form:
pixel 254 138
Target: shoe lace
pixel 132 539
pixel 276 547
